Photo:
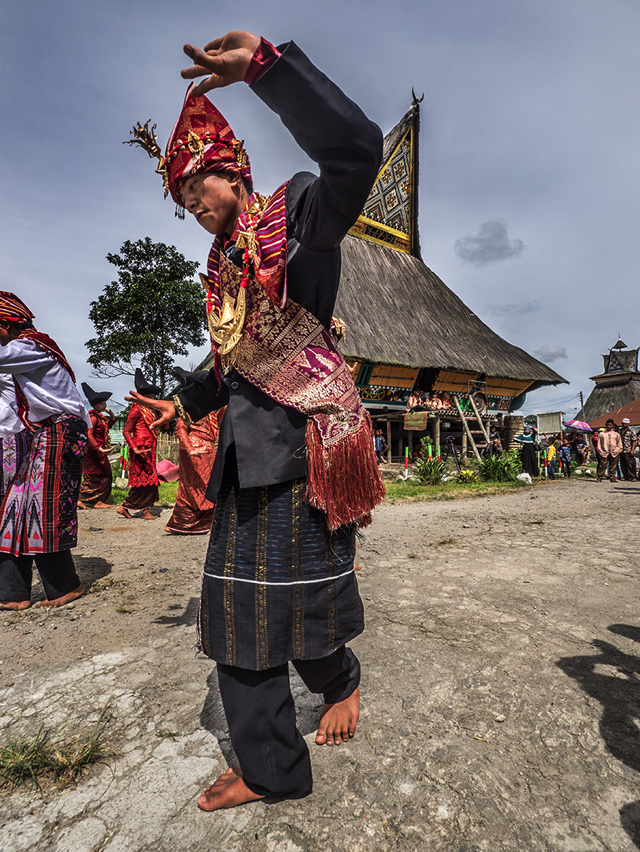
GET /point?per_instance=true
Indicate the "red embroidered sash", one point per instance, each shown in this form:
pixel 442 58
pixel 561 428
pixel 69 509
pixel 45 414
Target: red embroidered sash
pixel 290 356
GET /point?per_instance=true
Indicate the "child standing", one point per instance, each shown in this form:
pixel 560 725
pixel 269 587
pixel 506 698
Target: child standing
pixel 565 458
pixel 551 459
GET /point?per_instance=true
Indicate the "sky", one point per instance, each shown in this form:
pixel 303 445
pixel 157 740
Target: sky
pixel 529 151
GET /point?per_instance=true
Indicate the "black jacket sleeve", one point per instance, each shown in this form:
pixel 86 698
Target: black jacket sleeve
pixel 336 134
pixel 205 394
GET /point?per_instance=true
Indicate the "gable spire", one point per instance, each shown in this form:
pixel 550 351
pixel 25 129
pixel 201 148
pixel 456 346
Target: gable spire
pixel 390 214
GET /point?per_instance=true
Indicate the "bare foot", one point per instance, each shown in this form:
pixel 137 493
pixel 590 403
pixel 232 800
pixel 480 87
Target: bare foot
pixel 15 604
pixel 357 567
pixel 228 791
pixel 101 505
pixel 338 721
pixel 65 599
pixel 124 512
pixel 146 515
pixel 81 505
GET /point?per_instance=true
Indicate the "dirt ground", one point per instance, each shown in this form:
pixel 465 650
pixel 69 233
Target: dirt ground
pixel 501 689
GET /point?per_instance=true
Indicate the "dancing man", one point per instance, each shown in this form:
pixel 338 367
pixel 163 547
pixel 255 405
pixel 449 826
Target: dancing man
pixel 295 473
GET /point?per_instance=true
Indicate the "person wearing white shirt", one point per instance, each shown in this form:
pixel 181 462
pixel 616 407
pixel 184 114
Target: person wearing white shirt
pixel 38 515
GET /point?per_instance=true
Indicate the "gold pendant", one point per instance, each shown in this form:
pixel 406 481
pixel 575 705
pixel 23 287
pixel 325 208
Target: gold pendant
pixel 227 330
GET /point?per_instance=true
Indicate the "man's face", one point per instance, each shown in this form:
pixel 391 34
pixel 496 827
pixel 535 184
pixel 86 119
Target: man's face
pixel 5 337
pixel 213 199
pixel 100 406
pixel 609 426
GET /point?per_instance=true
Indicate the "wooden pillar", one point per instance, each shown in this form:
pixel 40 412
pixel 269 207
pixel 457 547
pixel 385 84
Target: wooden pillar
pixel 436 435
pixel 388 441
pixel 465 448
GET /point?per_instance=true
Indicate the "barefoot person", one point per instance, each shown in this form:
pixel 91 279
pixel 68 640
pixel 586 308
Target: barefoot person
pixel 295 473
pixel 96 470
pixel 142 438
pixel 38 516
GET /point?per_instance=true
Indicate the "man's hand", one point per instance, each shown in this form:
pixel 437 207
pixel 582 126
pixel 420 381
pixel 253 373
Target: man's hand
pixel 226 60
pixel 165 407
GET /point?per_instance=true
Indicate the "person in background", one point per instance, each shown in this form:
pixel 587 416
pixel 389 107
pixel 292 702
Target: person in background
pixel 565 458
pixel 379 445
pixel 96 470
pixel 581 448
pixel 594 446
pixel 193 513
pixel 627 456
pixel 495 443
pixel 529 454
pixel 38 515
pixel 551 459
pixel 609 447
pixel 143 442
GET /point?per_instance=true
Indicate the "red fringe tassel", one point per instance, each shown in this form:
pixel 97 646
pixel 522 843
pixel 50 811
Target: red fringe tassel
pixel 344 479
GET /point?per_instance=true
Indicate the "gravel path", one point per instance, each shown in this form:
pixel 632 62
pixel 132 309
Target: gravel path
pixel 501 689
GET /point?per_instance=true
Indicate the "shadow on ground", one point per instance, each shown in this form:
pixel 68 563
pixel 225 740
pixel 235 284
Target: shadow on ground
pixel 612 677
pixel 188 617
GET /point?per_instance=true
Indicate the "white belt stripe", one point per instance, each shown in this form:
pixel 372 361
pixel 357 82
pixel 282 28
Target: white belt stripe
pixel 292 583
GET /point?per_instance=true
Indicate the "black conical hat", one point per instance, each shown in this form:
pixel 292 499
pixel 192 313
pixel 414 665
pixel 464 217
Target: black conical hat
pixel 94 397
pixel 142 385
pixel 186 378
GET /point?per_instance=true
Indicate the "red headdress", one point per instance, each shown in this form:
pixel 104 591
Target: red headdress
pixel 201 141
pixel 13 309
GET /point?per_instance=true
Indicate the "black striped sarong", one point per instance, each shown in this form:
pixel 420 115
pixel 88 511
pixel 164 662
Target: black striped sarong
pixel 277 584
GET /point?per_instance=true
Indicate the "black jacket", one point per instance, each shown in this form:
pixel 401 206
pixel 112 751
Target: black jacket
pixel 270 438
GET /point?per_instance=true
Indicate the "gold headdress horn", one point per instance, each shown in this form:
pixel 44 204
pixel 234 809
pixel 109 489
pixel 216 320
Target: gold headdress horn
pixel 148 140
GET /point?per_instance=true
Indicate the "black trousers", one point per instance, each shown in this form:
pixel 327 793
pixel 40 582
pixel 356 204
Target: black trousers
pixel 57 572
pixel 261 715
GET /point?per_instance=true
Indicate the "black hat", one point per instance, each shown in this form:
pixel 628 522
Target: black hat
pixel 94 397
pixel 186 378
pixel 142 385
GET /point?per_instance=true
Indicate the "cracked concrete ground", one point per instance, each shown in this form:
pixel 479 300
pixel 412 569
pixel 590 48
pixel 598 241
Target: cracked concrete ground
pixel 501 689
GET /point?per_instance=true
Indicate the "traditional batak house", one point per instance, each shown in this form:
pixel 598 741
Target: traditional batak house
pixel 617 386
pixel 401 329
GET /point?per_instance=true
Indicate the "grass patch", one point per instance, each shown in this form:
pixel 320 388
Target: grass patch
pixel 413 491
pixel 167 491
pixel 442 542
pixel 30 761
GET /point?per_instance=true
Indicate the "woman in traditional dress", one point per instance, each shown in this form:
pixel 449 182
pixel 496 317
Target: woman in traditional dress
pixel 193 513
pixel 529 453
pixel 143 442
pixel 96 470
pixel 38 514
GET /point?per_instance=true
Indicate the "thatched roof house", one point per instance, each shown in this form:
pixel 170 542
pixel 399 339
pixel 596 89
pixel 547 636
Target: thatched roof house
pixel 618 385
pixel 404 327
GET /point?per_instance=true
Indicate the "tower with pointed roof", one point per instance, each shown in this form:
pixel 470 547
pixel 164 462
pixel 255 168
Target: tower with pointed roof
pixel 617 385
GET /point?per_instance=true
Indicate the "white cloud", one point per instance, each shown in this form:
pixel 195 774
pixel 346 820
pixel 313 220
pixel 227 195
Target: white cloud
pixel 491 244
pixel 551 353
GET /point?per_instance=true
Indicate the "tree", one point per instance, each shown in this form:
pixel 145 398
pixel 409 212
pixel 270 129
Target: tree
pixel 153 312
pixel 531 420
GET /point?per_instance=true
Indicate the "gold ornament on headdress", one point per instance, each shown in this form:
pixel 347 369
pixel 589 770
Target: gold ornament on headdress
pixel 241 154
pixel 196 147
pixel 148 140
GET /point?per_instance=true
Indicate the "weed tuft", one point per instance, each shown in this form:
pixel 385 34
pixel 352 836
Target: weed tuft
pixel 26 761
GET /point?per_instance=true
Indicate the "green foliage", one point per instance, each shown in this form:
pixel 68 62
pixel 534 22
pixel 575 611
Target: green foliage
pixel 531 420
pixel 153 312
pixel 467 475
pixel 504 468
pixel 429 471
